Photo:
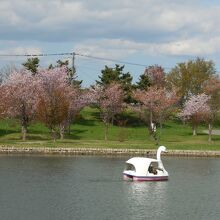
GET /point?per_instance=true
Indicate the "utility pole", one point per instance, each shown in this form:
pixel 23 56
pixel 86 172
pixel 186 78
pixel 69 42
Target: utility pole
pixel 74 81
pixel 73 63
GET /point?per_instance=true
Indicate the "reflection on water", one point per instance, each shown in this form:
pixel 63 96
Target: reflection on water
pixel 46 188
pixel 150 196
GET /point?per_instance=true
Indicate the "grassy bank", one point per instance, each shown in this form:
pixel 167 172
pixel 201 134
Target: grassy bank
pixel 88 131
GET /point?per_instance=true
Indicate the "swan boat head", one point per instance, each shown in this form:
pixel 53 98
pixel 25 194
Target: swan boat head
pixel 159 151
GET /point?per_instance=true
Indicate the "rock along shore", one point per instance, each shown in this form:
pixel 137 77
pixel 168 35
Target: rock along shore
pixel 103 151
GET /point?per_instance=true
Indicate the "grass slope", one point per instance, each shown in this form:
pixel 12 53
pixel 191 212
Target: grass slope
pixel 88 131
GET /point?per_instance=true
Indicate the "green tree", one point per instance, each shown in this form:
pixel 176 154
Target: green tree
pixel 32 64
pixel 143 83
pixel 110 75
pixel 190 77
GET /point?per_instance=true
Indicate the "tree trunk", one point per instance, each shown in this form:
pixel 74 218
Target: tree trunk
pixel 24 123
pixel 69 130
pixel 24 132
pixel 62 131
pixel 69 125
pixel 150 124
pixel 151 118
pixel 106 131
pixel 53 132
pixel 194 130
pixel 161 127
pixel 210 132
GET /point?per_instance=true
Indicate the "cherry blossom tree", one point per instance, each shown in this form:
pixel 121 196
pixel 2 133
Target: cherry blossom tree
pixel 196 110
pixel 2 102
pixel 19 99
pixel 54 95
pixel 5 71
pixel 154 106
pixel 212 88
pixel 110 102
pixel 78 99
pixel 156 76
pixel 59 101
pixel 72 110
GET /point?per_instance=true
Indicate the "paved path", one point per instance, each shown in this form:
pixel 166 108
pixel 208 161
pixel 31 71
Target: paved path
pixel 215 132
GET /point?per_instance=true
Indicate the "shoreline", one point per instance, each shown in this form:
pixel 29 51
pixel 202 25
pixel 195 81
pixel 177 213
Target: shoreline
pixel 104 151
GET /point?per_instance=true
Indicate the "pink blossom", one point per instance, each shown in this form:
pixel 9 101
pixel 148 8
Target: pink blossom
pixel 156 99
pixel 110 101
pixel 19 99
pixel 196 106
pixel 54 95
pixel 196 110
pixel 155 105
pixel 156 75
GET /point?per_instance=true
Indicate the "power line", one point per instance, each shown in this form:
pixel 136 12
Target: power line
pixel 78 54
pixel 112 60
pixel 36 55
pixel 72 53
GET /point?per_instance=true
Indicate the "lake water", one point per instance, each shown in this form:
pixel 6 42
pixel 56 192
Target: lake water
pixel 70 187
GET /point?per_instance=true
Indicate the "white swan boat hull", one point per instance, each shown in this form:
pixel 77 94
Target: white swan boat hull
pixel 144 178
pixel 146 169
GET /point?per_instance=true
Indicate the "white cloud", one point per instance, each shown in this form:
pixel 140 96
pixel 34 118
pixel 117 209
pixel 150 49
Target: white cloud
pixel 18 51
pixel 21 50
pixel 119 49
pixel 44 20
pixel 107 48
pixel 191 47
pixel 113 28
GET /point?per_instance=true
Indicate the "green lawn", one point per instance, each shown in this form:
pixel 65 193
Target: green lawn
pixel 88 131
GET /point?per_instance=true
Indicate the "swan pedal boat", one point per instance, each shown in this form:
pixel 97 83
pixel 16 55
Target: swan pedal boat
pixel 146 169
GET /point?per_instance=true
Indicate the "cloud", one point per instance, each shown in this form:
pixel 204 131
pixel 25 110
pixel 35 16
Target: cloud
pixel 114 29
pixel 21 50
pixel 18 51
pixel 107 48
pixel 119 48
pixel 144 20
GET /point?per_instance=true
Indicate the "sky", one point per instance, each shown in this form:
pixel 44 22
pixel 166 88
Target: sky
pixel 146 32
